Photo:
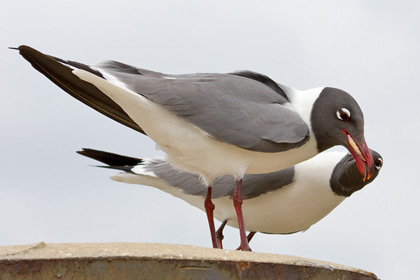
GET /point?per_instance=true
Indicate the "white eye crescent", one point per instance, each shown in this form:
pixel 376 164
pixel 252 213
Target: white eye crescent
pixel 343 114
pixel 378 163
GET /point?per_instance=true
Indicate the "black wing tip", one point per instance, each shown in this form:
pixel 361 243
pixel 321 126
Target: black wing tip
pixel 57 71
pixel 85 151
pixel 22 48
pixel 110 159
pixel 92 153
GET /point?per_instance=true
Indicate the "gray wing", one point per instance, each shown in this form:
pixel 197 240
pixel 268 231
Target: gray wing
pixel 234 108
pixel 253 185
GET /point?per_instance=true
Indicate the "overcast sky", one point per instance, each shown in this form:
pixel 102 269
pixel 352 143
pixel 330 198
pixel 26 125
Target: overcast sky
pixel 49 193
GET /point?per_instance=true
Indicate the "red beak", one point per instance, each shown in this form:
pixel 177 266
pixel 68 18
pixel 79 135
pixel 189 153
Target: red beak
pixel 361 154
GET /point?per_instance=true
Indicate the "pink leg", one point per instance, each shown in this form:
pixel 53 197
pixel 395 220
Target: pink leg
pixel 219 235
pixel 209 206
pixel 250 235
pixel 237 203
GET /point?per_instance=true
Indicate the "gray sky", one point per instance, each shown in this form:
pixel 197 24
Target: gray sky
pixel 49 193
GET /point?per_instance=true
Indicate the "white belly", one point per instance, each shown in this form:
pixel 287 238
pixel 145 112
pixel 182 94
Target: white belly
pixel 290 209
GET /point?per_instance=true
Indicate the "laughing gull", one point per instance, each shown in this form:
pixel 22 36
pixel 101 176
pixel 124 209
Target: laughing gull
pixel 282 202
pixel 217 124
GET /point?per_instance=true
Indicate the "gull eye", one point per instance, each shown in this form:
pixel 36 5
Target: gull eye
pixel 343 114
pixel 378 163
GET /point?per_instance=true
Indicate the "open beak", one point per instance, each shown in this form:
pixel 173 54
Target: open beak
pixel 361 154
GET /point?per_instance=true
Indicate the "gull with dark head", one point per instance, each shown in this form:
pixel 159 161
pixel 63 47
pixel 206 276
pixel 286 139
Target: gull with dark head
pixel 217 124
pixel 281 202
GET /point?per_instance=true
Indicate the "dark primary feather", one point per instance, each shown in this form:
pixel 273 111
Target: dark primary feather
pixel 85 92
pixel 110 159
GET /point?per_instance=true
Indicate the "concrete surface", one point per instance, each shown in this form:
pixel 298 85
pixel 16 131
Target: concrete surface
pixel 159 261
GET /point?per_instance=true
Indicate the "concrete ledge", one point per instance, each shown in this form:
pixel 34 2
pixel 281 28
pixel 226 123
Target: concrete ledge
pixel 159 261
